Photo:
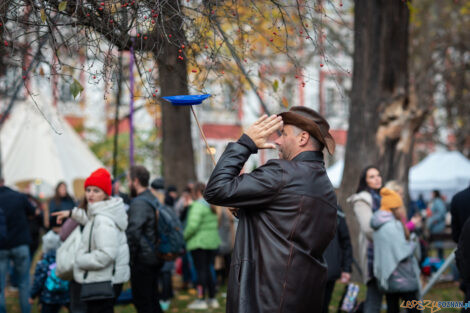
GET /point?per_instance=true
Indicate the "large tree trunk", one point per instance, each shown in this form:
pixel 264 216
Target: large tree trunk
pixel 177 155
pixel 382 118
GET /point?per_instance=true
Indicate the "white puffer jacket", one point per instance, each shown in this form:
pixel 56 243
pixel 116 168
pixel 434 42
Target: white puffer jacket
pixel 108 243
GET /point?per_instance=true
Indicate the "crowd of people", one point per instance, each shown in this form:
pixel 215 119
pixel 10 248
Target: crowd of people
pixel 117 242
pixel 394 241
pixel 291 232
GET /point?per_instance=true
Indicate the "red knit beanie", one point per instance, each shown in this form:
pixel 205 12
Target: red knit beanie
pixel 101 179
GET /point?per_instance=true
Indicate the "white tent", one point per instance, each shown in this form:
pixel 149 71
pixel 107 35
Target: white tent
pixel 335 173
pixel 40 146
pixel 447 171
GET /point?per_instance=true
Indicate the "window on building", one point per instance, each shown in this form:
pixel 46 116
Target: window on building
pixel 330 102
pixel 64 90
pixel 9 82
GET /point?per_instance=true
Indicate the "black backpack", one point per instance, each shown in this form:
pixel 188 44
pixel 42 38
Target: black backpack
pixel 170 231
pixel 462 254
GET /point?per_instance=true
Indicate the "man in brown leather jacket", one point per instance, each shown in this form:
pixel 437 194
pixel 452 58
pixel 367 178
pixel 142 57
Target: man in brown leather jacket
pixel 287 214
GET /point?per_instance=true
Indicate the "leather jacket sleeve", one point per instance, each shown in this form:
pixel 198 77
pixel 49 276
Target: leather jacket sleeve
pixel 134 228
pixel 227 188
pixel 141 232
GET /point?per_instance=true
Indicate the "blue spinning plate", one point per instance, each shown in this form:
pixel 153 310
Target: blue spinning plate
pixel 187 99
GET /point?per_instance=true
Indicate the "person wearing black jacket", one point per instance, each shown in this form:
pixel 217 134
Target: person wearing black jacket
pixel 338 257
pixel 460 210
pixel 36 223
pixel 16 208
pixel 142 238
pixel 287 214
pixel 61 201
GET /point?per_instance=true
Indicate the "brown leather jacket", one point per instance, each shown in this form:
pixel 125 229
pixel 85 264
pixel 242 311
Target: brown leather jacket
pixel 287 217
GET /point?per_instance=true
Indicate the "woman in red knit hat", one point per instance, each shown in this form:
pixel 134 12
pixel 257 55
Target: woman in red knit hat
pixel 103 254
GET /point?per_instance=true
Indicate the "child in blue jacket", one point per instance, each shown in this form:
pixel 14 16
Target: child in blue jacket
pixel 53 292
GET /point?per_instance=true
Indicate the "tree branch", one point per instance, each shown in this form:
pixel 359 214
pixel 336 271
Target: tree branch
pixel 239 64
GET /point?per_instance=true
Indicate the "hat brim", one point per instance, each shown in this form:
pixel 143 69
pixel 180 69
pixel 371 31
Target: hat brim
pixel 311 127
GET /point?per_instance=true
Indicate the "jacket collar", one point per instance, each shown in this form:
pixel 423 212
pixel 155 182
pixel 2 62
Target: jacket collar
pixel 4 188
pixel 309 156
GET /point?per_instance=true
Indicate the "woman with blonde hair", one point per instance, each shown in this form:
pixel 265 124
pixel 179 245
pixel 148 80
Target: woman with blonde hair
pixel 416 220
pixel 395 265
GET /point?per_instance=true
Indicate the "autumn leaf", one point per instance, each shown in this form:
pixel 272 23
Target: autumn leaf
pixel 75 88
pixel 43 15
pixel 275 85
pixel 285 103
pixel 62 6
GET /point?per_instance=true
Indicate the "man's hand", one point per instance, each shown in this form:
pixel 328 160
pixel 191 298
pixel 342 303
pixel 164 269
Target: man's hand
pixel 61 215
pixel 345 277
pixel 260 131
pixel 417 221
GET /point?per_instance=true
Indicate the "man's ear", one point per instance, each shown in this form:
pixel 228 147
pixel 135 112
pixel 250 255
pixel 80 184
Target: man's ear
pixel 304 138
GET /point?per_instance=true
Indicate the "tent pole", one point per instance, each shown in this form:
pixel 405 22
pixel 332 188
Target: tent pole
pixel 116 117
pixel 131 111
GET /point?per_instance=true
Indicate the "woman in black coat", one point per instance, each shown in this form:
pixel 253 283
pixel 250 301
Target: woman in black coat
pixel 61 201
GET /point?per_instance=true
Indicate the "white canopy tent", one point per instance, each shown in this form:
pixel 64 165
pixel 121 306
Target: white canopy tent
pixel 39 146
pixel 335 173
pixel 446 171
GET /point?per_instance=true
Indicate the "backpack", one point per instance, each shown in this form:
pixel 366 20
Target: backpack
pixel 170 231
pixel 462 254
pixel 53 282
pixel 404 278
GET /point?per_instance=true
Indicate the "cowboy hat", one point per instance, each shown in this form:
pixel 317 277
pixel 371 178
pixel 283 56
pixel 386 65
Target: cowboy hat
pixel 312 122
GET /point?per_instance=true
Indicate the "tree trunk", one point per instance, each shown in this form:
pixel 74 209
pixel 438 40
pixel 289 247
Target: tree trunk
pixel 177 148
pixel 382 117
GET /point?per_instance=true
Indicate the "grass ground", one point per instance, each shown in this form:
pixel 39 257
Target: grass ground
pixel 441 292
pixel 448 291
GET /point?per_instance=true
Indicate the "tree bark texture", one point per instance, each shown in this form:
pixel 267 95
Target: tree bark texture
pixel 177 148
pixel 383 117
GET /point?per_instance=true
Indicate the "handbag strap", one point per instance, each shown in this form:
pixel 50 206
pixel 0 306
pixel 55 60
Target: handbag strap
pixel 89 250
pixel 89 246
